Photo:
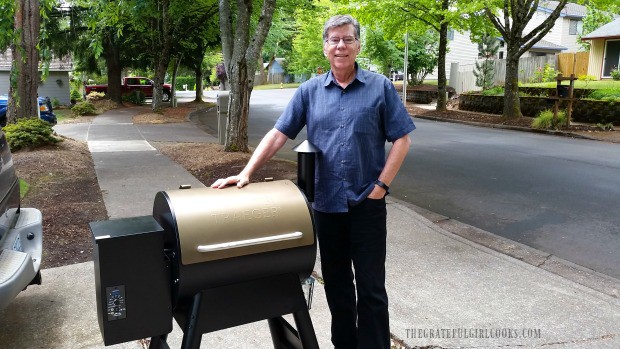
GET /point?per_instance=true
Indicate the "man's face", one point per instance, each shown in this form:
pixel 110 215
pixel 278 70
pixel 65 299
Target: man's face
pixel 341 56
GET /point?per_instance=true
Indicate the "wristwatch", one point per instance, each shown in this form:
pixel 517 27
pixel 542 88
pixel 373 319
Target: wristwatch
pixel 384 186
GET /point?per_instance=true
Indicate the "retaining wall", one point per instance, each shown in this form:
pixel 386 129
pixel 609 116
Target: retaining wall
pixel 587 111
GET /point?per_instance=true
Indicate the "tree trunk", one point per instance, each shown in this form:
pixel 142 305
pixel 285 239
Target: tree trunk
pixel 163 58
pixel 240 60
pixel 113 62
pixel 27 24
pixel 512 104
pixel 238 108
pixel 177 63
pixel 199 87
pixel 441 64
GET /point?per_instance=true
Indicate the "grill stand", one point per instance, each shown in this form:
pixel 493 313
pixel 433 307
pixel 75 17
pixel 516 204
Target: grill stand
pixel 269 298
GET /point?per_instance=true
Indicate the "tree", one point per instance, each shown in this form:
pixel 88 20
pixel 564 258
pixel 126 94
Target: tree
pixel 594 19
pixel 241 49
pixel 383 52
pixel 485 71
pixel 307 54
pixel 397 16
pixel 25 67
pixel 422 58
pixel 510 23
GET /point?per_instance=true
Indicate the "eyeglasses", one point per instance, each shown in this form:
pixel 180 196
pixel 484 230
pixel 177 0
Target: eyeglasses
pixel 334 40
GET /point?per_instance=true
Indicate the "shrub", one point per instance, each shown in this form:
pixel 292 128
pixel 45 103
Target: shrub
pixel 75 96
pixel 95 96
pixel 84 108
pixel 546 74
pixel 136 97
pixel 30 133
pixel 544 120
pixel 494 91
pixel 55 102
pixel 615 74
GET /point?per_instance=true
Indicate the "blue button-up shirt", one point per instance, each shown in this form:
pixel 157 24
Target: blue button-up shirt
pixel 350 127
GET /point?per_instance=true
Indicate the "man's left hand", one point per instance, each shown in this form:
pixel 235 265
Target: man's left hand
pixel 377 193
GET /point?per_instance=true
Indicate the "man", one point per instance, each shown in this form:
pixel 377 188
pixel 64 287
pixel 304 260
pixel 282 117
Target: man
pixel 349 114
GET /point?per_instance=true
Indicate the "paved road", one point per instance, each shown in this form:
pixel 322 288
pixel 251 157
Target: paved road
pixel 556 194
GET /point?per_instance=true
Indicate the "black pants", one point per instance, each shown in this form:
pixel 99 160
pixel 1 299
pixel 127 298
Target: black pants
pixel 358 236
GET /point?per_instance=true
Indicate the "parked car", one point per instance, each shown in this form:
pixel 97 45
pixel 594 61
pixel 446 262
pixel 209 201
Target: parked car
pixel 21 234
pixel 45 110
pixel 131 84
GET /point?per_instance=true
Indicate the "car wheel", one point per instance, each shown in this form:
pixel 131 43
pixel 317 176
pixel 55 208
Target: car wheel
pixel 166 96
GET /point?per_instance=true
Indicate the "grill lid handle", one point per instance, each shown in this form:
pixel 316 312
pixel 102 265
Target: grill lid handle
pixel 249 242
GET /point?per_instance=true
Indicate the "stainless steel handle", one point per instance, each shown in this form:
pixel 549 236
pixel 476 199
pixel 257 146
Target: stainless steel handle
pixel 249 242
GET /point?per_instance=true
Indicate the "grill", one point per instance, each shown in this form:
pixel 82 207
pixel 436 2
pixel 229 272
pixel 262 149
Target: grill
pixel 211 259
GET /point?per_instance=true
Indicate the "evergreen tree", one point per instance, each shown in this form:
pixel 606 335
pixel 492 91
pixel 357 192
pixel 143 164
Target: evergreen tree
pixel 484 71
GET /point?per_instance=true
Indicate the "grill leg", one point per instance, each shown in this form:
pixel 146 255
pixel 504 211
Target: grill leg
pixel 191 337
pixel 283 335
pixel 305 329
pixel 159 342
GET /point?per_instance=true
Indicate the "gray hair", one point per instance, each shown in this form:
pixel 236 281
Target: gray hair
pixel 341 20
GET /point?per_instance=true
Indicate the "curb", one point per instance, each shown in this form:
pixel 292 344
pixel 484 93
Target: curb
pixel 514 128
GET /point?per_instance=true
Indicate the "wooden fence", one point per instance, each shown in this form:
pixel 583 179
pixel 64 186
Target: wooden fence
pixel 573 63
pixel 462 76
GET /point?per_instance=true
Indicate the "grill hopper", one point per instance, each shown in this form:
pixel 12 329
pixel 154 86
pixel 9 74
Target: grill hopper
pixel 217 237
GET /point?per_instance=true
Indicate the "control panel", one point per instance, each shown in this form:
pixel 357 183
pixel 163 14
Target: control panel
pixel 115 301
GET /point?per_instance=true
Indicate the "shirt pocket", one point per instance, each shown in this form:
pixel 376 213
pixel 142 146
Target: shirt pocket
pixel 365 120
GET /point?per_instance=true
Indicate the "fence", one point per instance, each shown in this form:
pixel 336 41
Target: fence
pixel 573 63
pixel 462 76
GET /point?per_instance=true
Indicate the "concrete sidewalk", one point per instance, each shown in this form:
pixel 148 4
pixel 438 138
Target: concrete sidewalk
pixel 444 290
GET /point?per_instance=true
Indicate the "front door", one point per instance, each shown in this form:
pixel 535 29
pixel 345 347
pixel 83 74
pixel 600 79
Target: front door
pixel 612 57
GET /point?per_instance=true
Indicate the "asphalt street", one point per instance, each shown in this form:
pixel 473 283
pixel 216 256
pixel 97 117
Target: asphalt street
pixel 556 194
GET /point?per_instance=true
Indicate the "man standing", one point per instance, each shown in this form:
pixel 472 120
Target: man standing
pixel 349 113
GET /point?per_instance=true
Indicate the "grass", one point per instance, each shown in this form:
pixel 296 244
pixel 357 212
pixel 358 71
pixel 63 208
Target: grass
pixel 544 120
pixel 62 114
pixel 23 188
pixel 276 86
pixel 579 84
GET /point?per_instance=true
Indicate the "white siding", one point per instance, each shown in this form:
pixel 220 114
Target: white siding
pixel 569 41
pixel 460 50
pixel 4 82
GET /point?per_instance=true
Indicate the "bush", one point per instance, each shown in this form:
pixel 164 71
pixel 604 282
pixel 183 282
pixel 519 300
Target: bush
pixel 30 133
pixel 544 120
pixel 84 108
pixel 546 74
pixel 190 81
pixel 615 74
pixel 136 97
pixel 55 102
pixel 95 96
pixel 75 96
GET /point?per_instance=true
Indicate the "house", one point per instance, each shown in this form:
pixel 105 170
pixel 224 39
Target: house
pixel 275 71
pixel 55 86
pixel 561 38
pixel 604 50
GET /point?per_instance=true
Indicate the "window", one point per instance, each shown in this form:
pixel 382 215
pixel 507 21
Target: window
pixel 574 26
pixel 501 54
pixel 450 34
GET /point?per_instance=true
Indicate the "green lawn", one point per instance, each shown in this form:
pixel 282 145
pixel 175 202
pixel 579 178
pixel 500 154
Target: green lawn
pixel 23 188
pixel 62 114
pixel 579 84
pixel 276 86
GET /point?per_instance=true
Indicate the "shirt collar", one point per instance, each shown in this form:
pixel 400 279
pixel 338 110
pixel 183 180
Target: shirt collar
pixel 360 75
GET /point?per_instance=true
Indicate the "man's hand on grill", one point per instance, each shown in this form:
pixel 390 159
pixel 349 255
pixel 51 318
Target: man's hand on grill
pixel 239 180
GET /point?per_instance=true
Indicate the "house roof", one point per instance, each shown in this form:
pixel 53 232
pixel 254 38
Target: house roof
pixel 57 64
pixel 570 10
pixel 547 45
pixel 608 31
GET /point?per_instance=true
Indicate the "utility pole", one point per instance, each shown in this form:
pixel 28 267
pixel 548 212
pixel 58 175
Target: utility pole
pixel 405 69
